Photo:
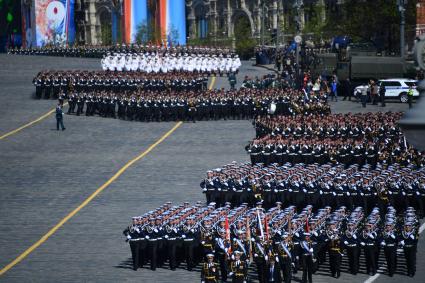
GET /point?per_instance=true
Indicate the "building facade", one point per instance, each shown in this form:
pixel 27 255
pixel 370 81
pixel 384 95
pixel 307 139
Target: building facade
pixel 204 18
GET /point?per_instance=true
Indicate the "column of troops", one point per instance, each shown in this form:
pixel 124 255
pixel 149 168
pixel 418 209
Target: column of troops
pixel 232 243
pixel 317 185
pixel 348 139
pixel 168 61
pixel 99 51
pixel 168 97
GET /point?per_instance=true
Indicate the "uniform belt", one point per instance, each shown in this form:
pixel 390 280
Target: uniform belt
pixel 351 245
pixel 310 192
pixel 239 274
pixel 210 277
pixel 171 239
pixel 409 246
pixel 335 249
pixel 390 245
pixel 188 240
pixel 152 240
pixel 370 244
pixel 340 195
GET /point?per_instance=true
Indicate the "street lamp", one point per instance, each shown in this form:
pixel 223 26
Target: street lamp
pixel 401 8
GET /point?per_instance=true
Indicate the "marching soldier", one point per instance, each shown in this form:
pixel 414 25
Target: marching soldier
pixel 308 258
pixel 132 233
pixel 238 269
pixel 389 243
pixel 209 271
pixel 351 241
pixel 368 241
pixel 285 257
pixel 409 240
pixel 334 245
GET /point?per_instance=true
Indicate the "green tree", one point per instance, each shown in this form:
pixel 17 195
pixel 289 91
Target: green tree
pixel 373 21
pixel 245 44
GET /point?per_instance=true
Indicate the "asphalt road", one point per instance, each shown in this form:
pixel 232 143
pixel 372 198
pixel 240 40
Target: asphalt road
pixel 45 174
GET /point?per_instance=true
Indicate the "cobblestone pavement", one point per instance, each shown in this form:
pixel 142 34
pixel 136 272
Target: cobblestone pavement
pixel 45 174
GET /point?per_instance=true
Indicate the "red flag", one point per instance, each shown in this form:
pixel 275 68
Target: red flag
pixel 307 228
pixel 266 228
pixel 226 225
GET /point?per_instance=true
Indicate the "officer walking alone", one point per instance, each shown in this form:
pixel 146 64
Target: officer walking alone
pixel 59 117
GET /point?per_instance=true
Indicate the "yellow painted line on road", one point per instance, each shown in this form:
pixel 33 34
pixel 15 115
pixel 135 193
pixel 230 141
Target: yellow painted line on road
pixel 86 202
pixel 212 83
pixel 30 123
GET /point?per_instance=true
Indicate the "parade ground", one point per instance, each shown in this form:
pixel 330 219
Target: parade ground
pixel 66 196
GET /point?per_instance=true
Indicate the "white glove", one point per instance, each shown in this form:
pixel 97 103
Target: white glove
pixel 255 255
pixel 203 242
pixel 147 237
pixel 362 243
pixel 156 230
pixel 219 190
pixel 412 237
pixel 311 250
pixel 304 190
pixel 348 194
pixel 321 192
pixel 290 190
pixel 402 242
pixel 230 274
pixel 183 236
pixel 362 194
pixel 191 230
pixel 345 243
pixel 334 193
pixel 166 236
pixel 383 243
pixel 204 189
pixel 129 237
pixel 266 258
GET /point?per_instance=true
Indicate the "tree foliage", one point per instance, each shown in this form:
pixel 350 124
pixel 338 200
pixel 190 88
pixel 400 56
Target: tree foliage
pixel 376 21
pixel 245 44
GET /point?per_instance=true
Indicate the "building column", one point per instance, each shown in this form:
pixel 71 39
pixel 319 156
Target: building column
pixel 274 14
pixel 90 19
pixel 257 18
pixel 230 31
pixel 213 18
pixel 191 20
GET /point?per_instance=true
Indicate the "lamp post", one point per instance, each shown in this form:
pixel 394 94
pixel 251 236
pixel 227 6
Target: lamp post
pixel 402 9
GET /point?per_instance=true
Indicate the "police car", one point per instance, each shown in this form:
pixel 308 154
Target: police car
pixel 395 88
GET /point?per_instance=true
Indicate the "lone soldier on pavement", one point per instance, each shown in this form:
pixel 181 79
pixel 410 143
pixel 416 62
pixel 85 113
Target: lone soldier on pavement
pixel 59 117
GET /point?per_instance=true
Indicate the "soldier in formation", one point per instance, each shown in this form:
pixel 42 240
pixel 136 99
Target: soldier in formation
pixel 372 138
pixel 318 185
pixel 281 241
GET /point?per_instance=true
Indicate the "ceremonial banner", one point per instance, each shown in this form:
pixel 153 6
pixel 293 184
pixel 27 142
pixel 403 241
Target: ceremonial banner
pixel 175 21
pixel 135 14
pixel 54 22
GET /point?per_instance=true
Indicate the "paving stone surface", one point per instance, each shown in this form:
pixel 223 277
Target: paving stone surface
pixel 45 174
